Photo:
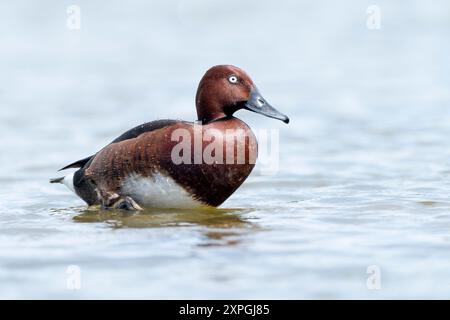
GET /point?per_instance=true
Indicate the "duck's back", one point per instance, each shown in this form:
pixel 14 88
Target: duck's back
pixel 85 187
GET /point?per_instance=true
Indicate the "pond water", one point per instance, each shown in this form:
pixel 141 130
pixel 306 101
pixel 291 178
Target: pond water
pixel 358 208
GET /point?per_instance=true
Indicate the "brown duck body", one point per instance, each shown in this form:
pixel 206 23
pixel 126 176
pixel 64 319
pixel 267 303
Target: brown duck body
pixel 149 155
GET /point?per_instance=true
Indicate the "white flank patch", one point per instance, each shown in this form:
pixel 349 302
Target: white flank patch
pixel 158 191
pixel 68 181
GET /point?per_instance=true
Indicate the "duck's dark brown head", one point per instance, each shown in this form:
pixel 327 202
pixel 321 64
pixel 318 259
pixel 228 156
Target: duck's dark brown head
pixel 224 89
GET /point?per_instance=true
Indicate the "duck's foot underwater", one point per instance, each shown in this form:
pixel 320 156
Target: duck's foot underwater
pixel 127 203
pixel 114 201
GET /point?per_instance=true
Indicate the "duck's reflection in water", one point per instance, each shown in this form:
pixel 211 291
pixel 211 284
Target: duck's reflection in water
pixel 219 226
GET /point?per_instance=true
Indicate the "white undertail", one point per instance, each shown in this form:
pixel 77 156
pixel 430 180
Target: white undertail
pixel 158 191
pixel 68 181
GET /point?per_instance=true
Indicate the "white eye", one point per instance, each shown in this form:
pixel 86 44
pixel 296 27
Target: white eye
pixel 233 79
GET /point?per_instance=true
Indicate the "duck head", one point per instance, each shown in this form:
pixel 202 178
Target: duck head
pixel 225 89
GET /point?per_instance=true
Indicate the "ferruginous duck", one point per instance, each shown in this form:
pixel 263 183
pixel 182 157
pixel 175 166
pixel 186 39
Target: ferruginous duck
pixel 174 163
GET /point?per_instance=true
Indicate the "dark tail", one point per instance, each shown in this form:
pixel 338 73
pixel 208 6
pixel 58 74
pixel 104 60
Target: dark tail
pixel 57 180
pixel 77 164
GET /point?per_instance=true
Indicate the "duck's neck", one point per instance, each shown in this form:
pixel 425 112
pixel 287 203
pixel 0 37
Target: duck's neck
pixel 209 107
pixel 208 117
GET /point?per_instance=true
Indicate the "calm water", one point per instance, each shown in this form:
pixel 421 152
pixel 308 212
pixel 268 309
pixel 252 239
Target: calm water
pixel 364 170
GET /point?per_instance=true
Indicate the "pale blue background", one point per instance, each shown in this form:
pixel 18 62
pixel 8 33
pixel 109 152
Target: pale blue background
pixel 364 164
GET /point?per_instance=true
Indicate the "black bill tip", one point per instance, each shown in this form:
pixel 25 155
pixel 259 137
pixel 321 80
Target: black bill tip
pixel 258 104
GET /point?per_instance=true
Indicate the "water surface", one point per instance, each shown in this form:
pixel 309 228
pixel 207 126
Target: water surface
pixel 364 167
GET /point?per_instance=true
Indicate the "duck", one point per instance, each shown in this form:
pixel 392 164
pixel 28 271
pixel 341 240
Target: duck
pixel 175 163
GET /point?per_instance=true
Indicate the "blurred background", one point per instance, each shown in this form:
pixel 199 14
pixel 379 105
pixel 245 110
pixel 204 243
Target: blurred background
pixel 362 189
